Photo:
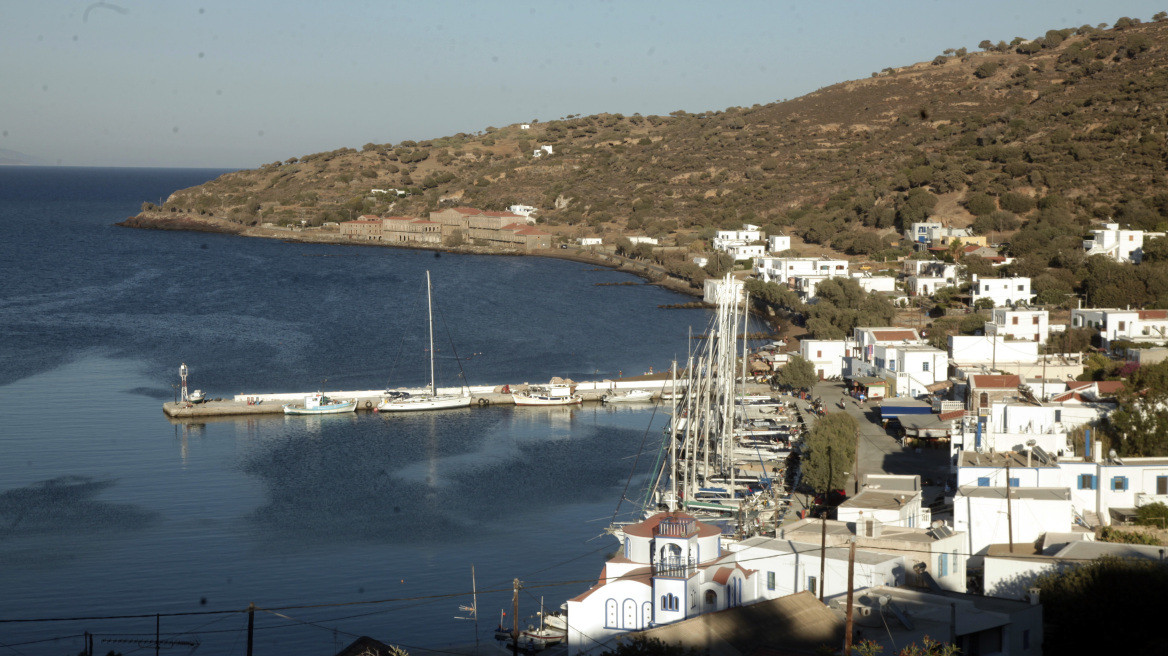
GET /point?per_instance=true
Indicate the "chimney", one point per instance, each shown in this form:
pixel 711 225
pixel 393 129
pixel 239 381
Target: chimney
pixel 1098 450
pixel 1087 446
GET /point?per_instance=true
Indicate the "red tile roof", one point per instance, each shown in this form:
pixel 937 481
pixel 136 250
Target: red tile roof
pixel 995 381
pixel 1153 314
pixel 951 415
pixel 1105 387
pixel 894 335
pixel 532 231
pixel 365 221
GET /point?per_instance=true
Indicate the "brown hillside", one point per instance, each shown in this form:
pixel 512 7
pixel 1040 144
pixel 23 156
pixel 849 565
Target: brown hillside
pixel 1083 120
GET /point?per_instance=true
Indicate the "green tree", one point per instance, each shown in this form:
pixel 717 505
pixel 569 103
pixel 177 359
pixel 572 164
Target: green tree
pixel 986 70
pixel 986 44
pixel 797 374
pixel 1104 592
pixel 1139 426
pixel 831 449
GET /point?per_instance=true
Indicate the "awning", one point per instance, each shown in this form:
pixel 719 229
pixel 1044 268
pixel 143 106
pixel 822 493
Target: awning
pixel 938 386
pixel 868 381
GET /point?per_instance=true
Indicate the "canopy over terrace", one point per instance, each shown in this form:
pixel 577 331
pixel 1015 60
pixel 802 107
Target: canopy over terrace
pixel 871 387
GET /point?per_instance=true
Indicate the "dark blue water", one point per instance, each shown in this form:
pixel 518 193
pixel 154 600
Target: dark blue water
pixel 107 508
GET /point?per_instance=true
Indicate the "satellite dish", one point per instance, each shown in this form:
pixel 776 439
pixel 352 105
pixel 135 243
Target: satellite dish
pixel 1112 454
pixel 1031 443
pixel 884 599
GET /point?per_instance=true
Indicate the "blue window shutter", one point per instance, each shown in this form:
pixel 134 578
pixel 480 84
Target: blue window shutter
pixel 983 481
pixel 944 564
pixel 1126 486
pixel 1014 482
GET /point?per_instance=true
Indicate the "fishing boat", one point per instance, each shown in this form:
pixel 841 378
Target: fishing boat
pixel 631 396
pixel 396 402
pixel 552 630
pixel 551 394
pixel 319 404
pixel 196 396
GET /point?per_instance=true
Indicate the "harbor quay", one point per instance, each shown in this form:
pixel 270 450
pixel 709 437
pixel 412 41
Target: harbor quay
pixel 367 400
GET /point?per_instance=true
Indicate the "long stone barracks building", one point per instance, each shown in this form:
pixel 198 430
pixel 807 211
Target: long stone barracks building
pixel 500 230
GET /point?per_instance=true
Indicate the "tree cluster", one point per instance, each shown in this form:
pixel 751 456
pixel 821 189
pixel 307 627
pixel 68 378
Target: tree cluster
pixel 831 448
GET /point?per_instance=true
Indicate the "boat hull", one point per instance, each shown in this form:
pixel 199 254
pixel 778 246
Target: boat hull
pixel 331 409
pixel 634 396
pixel 523 399
pixel 421 403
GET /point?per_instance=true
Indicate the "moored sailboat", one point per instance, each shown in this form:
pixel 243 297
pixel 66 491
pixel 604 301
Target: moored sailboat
pixel 433 400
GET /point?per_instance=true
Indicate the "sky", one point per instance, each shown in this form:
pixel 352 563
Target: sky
pixel 239 83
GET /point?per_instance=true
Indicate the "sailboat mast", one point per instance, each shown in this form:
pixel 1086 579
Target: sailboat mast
pixel 430 314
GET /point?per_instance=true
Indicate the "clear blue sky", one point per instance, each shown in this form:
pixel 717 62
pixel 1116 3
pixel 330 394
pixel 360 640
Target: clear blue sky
pixel 239 83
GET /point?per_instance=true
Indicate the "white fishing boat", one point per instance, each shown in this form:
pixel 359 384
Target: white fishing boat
pixel 552 394
pixel 196 396
pixel 631 396
pixel 319 404
pixel 433 400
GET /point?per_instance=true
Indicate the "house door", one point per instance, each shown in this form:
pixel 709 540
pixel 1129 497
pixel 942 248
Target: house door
pixel 711 601
pixel 820 374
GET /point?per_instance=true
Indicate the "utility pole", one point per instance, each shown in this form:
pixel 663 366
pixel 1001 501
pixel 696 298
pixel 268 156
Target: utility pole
pixel 848 618
pixel 822 552
pixel 994 365
pixel 1009 515
pixel 250 626
pixel 515 616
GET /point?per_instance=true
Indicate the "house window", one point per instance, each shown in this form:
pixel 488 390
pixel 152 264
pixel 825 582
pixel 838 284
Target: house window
pixel 985 399
pixel 983 481
pixel 1086 481
pixel 1014 482
pixel 1122 324
pixel 1119 484
pixel 813 585
pixel 943 565
pixel 770 580
pixel 1162 485
pixel 1015 322
pixel 1020 287
pixel 924 366
pixel 1034 320
pixel 819 354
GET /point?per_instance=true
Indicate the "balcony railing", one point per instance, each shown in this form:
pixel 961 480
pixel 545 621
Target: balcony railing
pixel 676 528
pixel 675 568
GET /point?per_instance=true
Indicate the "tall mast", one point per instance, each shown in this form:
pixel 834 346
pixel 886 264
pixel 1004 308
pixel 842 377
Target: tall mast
pixel 430 314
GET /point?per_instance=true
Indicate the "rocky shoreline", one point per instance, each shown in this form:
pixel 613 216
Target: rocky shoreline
pixel 157 221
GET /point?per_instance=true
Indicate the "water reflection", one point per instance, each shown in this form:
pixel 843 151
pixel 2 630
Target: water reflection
pixel 34 518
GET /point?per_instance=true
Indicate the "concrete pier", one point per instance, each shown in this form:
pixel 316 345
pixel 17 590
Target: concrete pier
pixel 367 400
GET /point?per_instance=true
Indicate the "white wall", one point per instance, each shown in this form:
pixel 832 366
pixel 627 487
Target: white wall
pixel 984 519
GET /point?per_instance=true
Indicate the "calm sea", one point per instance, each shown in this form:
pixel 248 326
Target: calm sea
pixel 107 508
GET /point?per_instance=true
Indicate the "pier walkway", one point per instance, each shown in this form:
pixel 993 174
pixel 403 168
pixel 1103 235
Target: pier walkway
pixel 367 400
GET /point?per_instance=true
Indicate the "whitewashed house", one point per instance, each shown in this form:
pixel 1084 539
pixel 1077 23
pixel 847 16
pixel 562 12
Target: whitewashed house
pixel 521 210
pixel 1119 245
pixel 590 241
pixel 1020 322
pixel 871 283
pixel 936 548
pixel 778 243
pixel 825 355
pixel 919 232
pixel 783 270
pixel 900 357
pixel 1001 291
pixel 1012 576
pixel 745 251
pixel 1148 327
pixel 652 241
pixel 925 285
pixel 982 514
pixel 888 500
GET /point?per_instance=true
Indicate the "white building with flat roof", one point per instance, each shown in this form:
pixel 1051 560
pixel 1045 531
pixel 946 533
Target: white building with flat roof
pixel 778 243
pixel 1001 291
pixel 1148 327
pixel 783 269
pixel 1019 323
pixel 825 355
pixel 1118 244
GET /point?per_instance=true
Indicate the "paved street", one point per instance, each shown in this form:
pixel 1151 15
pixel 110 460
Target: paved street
pixel 878 451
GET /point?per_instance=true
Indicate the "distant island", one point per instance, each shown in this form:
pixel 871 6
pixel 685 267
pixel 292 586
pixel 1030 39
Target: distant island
pixel 14 158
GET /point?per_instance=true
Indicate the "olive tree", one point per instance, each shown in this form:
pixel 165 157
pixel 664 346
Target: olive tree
pixel 831 447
